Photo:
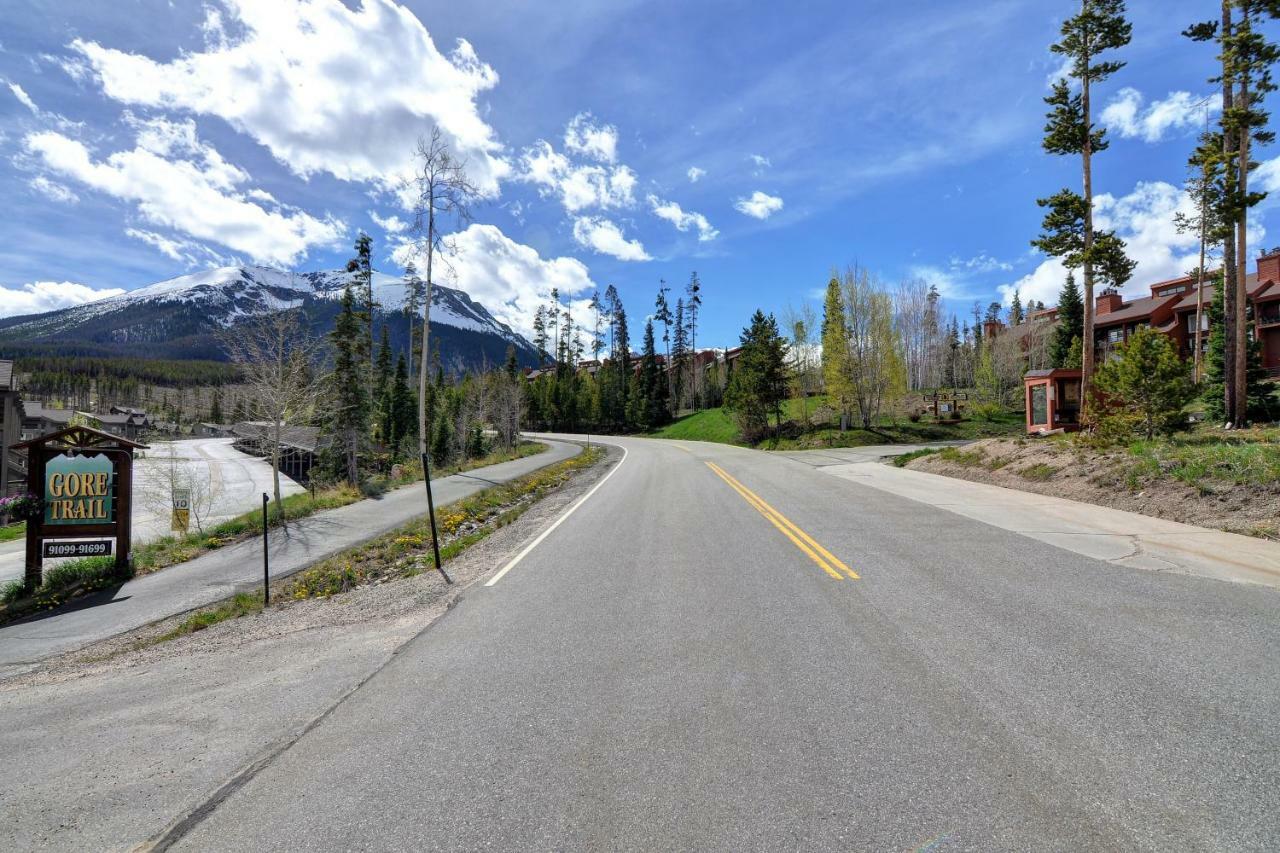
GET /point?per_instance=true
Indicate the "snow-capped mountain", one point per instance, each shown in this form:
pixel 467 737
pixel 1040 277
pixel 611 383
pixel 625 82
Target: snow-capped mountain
pixel 182 317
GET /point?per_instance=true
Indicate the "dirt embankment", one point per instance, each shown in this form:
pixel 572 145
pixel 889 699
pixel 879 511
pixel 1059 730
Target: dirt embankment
pixel 1202 488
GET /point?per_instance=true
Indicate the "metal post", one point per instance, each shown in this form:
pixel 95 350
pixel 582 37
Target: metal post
pixel 266 570
pixel 431 511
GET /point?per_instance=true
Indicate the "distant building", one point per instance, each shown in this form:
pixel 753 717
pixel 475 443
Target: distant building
pixel 1171 309
pixel 13 464
pixel 299 446
pixel 208 430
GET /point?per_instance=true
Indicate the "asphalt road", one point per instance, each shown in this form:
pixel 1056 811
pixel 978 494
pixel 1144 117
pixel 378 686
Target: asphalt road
pixel 688 662
pixel 218 574
pixel 234 483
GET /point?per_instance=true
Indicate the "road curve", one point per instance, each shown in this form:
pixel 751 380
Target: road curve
pixel 675 667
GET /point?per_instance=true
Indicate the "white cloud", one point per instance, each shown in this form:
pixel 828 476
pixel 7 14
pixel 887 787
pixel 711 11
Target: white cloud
pixel 597 141
pixel 392 224
pixel 181 183
pixel 673 213
pixel 695 173
pixel 980 263
pixel 324 87
pixel 577 186
pixel 186 251
pixel 759 205
pixel 40 296
pixel 761 161
pixel 1129 117
pixel 604 236
pixel 24 98
pixel 511 279
pixel 53 190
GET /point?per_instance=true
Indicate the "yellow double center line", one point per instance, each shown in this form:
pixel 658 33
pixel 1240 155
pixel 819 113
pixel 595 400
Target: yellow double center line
pixel 806 543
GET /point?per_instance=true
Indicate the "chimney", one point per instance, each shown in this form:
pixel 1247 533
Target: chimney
pixel 1108 301
pixel 1269 266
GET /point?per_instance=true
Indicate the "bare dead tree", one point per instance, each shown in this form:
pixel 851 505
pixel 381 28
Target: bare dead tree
pixel 276 354
pixel 441 190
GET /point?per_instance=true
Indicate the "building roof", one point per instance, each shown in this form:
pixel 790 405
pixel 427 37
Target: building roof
pixel 1138 309
pixel 58 416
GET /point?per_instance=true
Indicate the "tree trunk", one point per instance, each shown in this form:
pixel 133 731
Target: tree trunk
pixel 426 327
pixel 1200 280
pixel 1086 157
pixel 1230 269
pixel 1241 412
pixel 275 472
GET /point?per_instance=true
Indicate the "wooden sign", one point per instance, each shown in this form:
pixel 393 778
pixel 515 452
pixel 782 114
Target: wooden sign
pixel 85 478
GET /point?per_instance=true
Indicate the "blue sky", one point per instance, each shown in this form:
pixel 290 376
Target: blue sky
pixel 617 143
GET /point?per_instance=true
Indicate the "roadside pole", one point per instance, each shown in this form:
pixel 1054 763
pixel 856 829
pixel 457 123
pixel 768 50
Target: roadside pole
pixel 266 570
pixel 431 511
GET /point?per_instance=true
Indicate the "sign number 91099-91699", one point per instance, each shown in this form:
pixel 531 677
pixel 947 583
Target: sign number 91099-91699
pixel 82 548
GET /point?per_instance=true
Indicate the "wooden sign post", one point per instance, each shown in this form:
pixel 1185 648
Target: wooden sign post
pixel 85 479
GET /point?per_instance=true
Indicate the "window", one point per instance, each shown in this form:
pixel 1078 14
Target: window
pixel 1039 404
pixel 1115 336
pixel 1204 322
pixel 1170 291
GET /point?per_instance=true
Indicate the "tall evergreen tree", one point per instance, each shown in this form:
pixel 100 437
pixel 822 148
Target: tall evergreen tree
pixel 835 352
pixel 1068 230
pixel 1016 315
pixel 758 385
pixel 362 268
pixel 679 355
pixel 662 314
pixel 1070 325
pixel 540 334
pixel 349 404
pixel 692 306
pixel 403 407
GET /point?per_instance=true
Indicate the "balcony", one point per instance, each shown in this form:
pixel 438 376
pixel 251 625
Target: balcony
pixel 1269 315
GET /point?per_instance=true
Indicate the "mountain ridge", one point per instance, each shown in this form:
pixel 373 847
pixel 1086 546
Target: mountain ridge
pixel 184 317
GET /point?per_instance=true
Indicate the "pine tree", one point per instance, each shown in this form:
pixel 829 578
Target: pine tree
pixel 349 406
pixel 215 407
pixel 1015 309
pixel 1070 325
pixel 1147 380
pixel 679 355
pixel 1068 230
pixel 1261 404
pixel 540 334
pixel 758 385
pixel 362 267
pixel 403 407
pixel 662 314
pixel 382 378
pixel 835 352
pixel 692 305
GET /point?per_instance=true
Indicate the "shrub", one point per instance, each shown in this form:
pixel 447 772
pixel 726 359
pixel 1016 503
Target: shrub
pixel 1143 389
pixel 989 412
pixel 1038 472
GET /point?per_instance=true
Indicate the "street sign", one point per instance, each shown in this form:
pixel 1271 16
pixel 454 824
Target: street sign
pixel 52 548
pixel 181 510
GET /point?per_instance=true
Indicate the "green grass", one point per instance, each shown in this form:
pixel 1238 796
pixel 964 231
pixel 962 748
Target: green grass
pixel 718 425
pixel 59 583
pixel 708 425
pixel 1206 458
pixel 905 458
pixel 241 604
pixel 11 532
pixel 1039 472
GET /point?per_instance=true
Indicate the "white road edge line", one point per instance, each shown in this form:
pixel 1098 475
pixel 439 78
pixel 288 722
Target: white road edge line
pixel 559 521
